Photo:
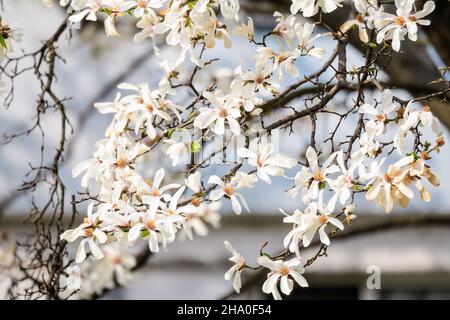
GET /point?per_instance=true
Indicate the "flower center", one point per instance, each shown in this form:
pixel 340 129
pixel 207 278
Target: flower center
pixel 260 162
pixel 381 117
pixel 284 271
pixel 223 112
pixel 400 21
pixel 122 163
pixel 89 232
pixel 228 189
pixel 150 224
pixel 413 18
pixel 426 108
pixel 348 181
pixel 388 178
pixel 149 107
pixel 142 4
pixel 116 260
pixel 360 18
pixel 323 219
pixel 319 176
pixel 259 79
pixel 196 202
pixel 155 193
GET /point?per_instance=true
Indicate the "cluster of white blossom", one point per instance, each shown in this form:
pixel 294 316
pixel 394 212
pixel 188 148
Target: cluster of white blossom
pixel 131 206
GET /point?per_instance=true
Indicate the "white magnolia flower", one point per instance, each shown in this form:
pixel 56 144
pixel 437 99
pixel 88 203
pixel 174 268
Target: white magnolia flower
pixel 236 269
pixel 215 117
pixel 387 187
pixel 194 182
pixel 363 20
pixel 151 226
pixel 316 218
pixel 313 177
pixel 284 271
pixel 198 221
pixel 89 11
pixel 245 30
pixel 156 192
pixel 404 22
pixel 243 96
pixel 388 106
pixel 147 23
pixel 310 7
pixel 92 235
pixel 268 164
pixel 260 79
pixel 304 45
pixel 228 190
pixel 177 151
pixel 343 185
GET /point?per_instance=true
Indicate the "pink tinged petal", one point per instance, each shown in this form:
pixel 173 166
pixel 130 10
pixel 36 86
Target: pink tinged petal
pixel 323 236
pixel 216 180
pixel 237 281
pixel 373 192
pixel 367 108
pixel 219 127
pixel 286 285
pixel 363 36
pixel 313 191
pixel 405 190
pixel 153 242
pixel 79 16
pixel 230 248
pixel 176 197
pixel 335 222
pixel 81 252
pixel 244 202
pixel 428 7
pixel 299 279
pixel 230 273
pixel 246 153
pixel 262 174
pixel 345 194
pixel 308 236
pixel 267 263
pixel 159 176
pixel 100 236
pixel 216 194
pixel 404 161
pixel 205 118
pixel 79 168
pixel 271 283
pixel 329 6
pixel 311 156
pixel 234 126
pixel 235 205
pixel 95 249
pixel 134 232
pixel 396 40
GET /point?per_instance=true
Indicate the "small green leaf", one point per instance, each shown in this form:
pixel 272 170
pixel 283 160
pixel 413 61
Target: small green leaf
pixel 3 42
pixel 195 147
pixel 322 185
pixel 371 44
pixel 169 133
pixel 107 11
pixel 145 233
